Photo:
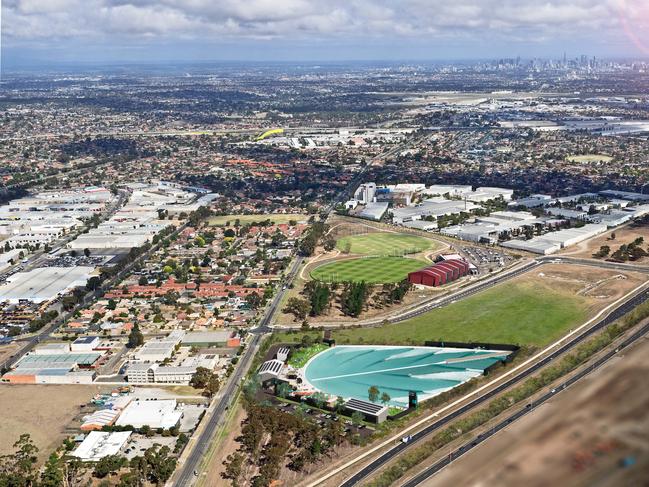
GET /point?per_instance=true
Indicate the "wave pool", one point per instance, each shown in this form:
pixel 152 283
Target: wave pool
pixel 350 370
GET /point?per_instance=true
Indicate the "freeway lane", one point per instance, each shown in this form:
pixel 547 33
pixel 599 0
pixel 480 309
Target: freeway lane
pixel 465 448
pixel 614 315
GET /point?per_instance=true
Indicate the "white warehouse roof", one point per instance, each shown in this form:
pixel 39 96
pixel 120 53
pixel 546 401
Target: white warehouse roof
pixel 44 283
pixel 156 414
pixel 98 445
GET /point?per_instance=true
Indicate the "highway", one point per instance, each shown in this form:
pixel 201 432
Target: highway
pixel 468 446
pixel 390 454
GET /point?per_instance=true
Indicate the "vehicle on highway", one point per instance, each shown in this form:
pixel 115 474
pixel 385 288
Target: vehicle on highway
pixel 406 439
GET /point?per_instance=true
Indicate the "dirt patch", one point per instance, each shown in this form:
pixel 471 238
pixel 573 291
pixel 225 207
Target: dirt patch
pixel 623 235
pixel 580 438
pixel 46 412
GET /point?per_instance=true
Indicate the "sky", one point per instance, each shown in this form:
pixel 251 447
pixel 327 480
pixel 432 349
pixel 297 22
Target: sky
pixel 146 31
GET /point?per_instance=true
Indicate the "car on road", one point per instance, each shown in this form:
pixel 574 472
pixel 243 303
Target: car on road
pixel 406 439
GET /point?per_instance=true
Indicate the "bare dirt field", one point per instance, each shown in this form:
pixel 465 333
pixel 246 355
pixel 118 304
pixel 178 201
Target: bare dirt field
pixel 623 235
pixel 43 411
pixel 580 438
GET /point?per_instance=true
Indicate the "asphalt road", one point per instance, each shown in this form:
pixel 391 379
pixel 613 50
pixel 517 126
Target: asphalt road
pixel 468 446
pixel 614 315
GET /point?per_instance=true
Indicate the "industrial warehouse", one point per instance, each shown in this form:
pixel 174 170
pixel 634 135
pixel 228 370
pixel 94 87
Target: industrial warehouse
pixel 440 273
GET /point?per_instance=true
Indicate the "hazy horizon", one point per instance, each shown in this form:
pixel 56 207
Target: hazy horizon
pixel 107 32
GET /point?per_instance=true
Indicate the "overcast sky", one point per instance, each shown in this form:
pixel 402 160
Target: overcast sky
pixel 320 30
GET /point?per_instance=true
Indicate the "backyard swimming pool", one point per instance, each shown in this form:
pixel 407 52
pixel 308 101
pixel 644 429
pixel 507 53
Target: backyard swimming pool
pixel 349 371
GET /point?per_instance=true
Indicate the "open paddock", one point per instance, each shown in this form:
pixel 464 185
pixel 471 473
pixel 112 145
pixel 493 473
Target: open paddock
pixel 533 309
pixel 42 411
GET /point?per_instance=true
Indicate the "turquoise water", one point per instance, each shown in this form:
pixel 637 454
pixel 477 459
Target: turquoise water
pixel 349 371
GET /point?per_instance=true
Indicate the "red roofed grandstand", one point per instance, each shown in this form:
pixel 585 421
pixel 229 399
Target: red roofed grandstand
pixel 440 273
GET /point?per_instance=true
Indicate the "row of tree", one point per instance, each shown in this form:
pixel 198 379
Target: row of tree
pixel 311 237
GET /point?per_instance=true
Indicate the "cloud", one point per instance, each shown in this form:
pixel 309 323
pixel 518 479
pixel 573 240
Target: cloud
pixel 34 21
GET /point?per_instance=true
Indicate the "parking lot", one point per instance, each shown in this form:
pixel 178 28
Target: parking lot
pixel 137 444
pixel 486 258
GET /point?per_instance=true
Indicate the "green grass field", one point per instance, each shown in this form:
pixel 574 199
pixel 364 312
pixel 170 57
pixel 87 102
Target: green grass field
pixel 300 357
pixel 384 243
pixel 375 270
pixel 511 313
pixel 218 221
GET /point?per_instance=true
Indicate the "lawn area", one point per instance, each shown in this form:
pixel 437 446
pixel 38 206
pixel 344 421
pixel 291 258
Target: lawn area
pixel 590 158
pixel 217 221
pixel 373 270
pixel 516 312
pixel 301 356
pixel 384 244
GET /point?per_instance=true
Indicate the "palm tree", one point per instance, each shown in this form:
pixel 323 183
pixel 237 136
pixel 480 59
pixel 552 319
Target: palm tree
pixel 385 398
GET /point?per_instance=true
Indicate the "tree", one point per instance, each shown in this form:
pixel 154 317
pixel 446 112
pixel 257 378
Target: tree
pixel 233 468
pixel 107 465
pixel 353 298
pixel 18 469
pixel 329 244
pixel 319 295
pixel 373 393
pixel 201 378
pixel 161 464
pixel 300 308
pixel 357 418
pixel 142 281
pixel 135 338
pixel 283 390
pixel 385 398
pixel 213 386
pixel 253 300
pixel 86 252
pixel 73 472
pixel 340 404
pixel 52 475
pixel 613 236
